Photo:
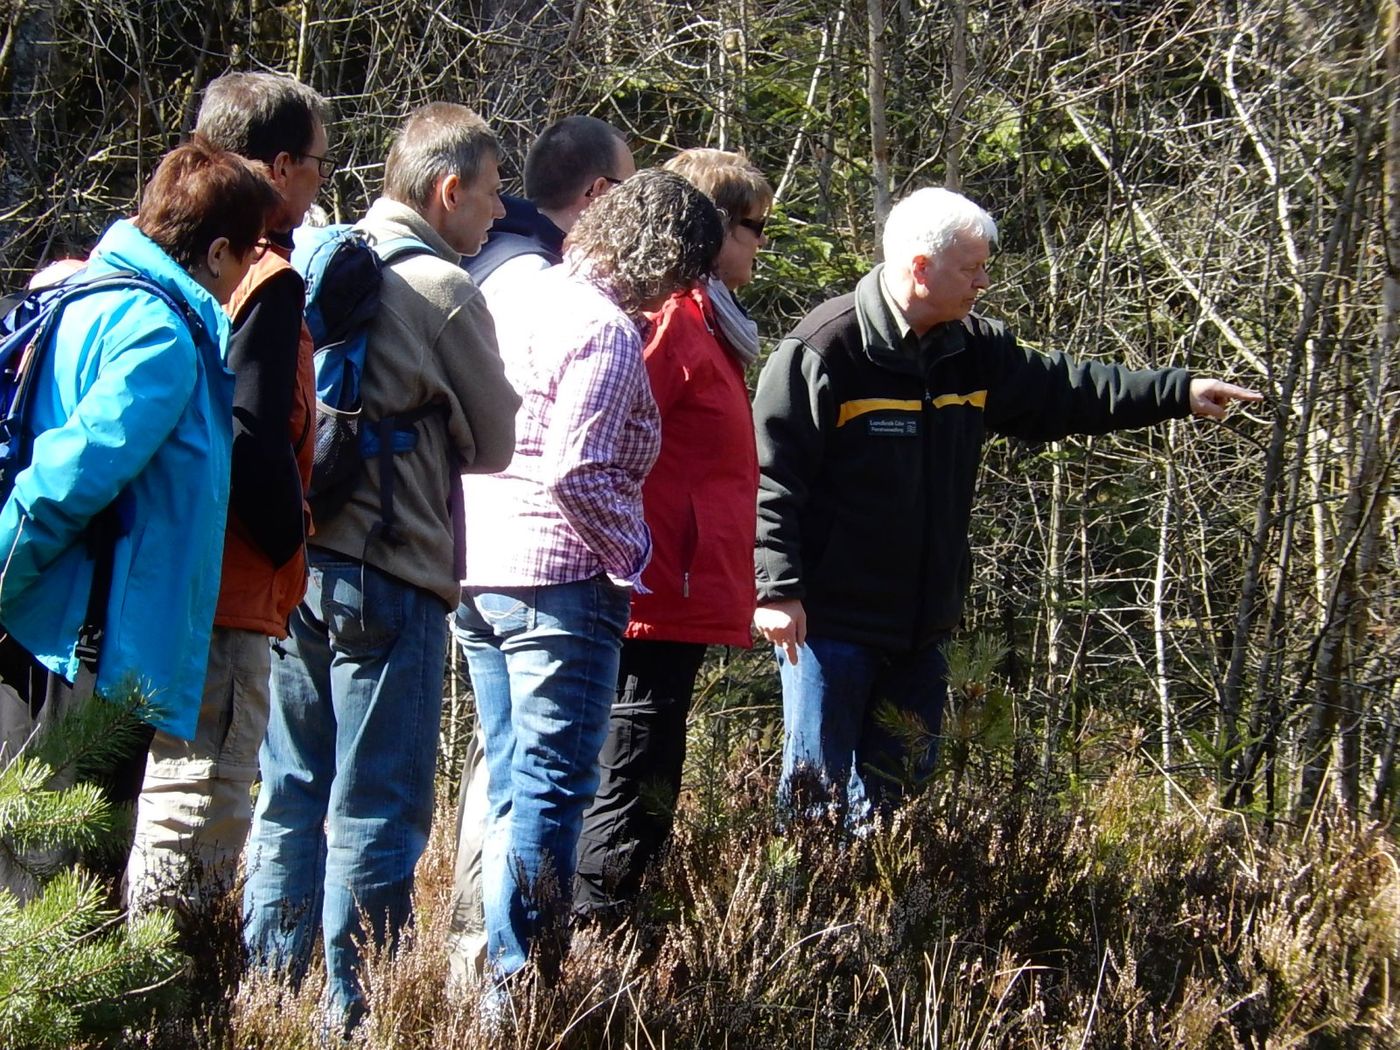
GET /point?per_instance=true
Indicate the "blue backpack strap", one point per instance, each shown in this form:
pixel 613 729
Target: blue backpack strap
pixel 38 332
pixel 399 247
pixel 81 284
pixel 500 249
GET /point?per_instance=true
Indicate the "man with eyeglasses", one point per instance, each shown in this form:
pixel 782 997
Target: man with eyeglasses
pixel 195 806
pixel 572 163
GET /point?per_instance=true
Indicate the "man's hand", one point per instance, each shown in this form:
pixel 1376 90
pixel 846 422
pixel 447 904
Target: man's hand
pixel 1211 397
pixel 783 623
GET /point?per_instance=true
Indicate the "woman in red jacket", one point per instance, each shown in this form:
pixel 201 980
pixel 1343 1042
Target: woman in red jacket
pixel 699 502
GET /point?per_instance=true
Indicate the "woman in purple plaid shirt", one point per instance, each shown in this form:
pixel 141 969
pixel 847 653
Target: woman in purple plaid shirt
pixel 556 543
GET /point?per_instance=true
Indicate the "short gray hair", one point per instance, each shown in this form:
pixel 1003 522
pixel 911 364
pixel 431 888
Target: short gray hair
pixel 928 221
pixel 259 115
pixel 441 138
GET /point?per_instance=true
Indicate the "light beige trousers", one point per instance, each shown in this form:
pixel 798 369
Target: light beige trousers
pixel 196 801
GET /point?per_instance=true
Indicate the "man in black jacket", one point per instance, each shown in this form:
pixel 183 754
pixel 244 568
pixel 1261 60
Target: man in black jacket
pixel 870 420
pixel 572 163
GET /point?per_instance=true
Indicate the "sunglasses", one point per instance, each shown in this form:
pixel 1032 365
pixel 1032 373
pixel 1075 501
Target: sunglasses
pixel 753 225
pixel 260 248
pixel 325 166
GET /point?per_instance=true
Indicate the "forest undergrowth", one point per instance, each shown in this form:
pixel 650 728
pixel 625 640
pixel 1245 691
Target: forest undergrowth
pixel 999 908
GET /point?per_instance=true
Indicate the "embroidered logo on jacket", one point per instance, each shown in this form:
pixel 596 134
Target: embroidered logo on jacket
pixel 896 427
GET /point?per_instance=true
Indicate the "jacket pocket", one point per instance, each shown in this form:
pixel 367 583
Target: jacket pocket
pixel 689 545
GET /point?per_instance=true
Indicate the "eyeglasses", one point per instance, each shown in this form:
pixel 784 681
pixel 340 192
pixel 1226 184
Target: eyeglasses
pixel 325 166
pixel 755 226
pixel 260 248
pixel 609 180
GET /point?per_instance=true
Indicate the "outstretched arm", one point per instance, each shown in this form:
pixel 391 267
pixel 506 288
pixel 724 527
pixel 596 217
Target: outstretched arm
pixel 1213 397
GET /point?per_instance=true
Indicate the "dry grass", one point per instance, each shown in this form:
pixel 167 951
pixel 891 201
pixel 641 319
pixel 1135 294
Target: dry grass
pixel 1002 915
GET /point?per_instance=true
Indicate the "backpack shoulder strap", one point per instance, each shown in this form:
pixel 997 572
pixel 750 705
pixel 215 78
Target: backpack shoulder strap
pixel 399 248
pixel 500 249
pixel 82 284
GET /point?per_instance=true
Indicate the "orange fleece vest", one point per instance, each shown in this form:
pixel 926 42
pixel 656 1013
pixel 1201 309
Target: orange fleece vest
pixel 255 595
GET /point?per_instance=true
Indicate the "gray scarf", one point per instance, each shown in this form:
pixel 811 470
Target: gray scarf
pixel 740 331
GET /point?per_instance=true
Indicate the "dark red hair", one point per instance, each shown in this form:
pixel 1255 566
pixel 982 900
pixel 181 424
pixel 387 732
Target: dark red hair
pixel 200 193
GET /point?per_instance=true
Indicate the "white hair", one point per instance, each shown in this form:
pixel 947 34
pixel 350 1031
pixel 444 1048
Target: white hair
pixel 928 221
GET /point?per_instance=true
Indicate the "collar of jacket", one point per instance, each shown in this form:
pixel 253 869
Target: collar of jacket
pixel 282 242
pixel 399 220
pixel 525 219
pixel 124 247
pixel 881 337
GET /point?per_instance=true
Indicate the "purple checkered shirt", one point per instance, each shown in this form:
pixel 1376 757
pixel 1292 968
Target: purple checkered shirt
pixel 569 506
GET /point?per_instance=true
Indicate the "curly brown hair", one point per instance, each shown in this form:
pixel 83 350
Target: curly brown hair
pixel 648 238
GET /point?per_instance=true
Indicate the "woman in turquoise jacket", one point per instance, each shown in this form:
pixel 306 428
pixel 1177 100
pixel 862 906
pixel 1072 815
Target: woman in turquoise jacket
pixel 133 406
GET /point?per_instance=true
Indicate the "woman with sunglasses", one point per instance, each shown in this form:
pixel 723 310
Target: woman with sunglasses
pixel 699 502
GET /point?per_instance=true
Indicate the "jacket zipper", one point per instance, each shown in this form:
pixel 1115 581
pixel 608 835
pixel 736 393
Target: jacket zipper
pixel 689 542
pixel 921 596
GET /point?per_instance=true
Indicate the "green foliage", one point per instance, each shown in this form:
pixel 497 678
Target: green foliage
pixel 70 966
pixel 31 816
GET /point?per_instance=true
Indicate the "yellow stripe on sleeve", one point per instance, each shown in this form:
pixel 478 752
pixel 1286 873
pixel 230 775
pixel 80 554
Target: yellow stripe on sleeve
pixel 977 399
pixel 852 409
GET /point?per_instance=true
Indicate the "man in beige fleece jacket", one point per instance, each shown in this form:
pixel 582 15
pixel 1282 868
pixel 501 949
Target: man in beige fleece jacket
pixel 348 761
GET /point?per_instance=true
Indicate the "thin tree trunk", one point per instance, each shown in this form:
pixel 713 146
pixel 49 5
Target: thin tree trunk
pixel 1390 307
pixel 879 129
pixel 957 90
pixel 830 45
pixel 1380 796
pixel 1247 610
pixel 1159 627
pixel 1055 686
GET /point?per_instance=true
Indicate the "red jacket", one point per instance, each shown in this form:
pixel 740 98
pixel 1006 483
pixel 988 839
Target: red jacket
pixel 699 499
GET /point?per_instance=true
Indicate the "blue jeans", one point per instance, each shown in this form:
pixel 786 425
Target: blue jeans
pixel 543 663
pixel 347 772
pixel 835 700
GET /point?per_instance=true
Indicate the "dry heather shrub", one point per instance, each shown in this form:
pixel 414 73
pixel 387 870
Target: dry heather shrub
pixel 999 915
pixel 407 987
pixel 267 1015
pixel 1324 937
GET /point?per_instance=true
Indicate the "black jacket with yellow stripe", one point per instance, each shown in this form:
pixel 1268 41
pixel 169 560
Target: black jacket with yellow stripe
pixel 868 457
